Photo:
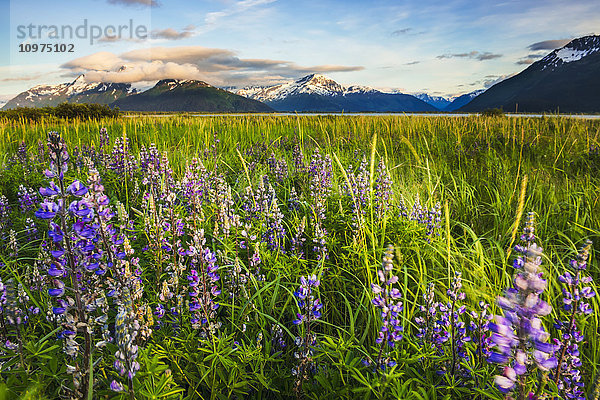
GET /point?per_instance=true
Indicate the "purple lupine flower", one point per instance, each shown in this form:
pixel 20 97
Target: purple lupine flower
pixel 520 340
pixel 451 329
pixel 429 218
pixel 261 205
pixel 4 214
pixel 203 289
pixel 48 210
pixel 126 331
pixel 14 302
pixel 297 244
pixel 13 245
pixel 116 386
pixel 104 139
pixel 309 307
pixel 22 153
pixel 225 215
pixel 576 295
pixel 426 321
pixel 31 229
pixel 358 191
pixel 77 189
pixel 75 253
pixel 382 190
pixel 156 170
pixel 27 198
pixel 480 326
pixel 387 299
pixel 320 243
pixel 121 161
pixel 293 201
pixel 320 173
pixel 298 157
pixel 196 184
pixel 278 168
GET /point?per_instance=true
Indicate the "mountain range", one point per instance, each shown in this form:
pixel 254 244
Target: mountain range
pixel 78 91
pixel 318 93
pixel 448 104
pixel 172 95
pixel 565 80
pixel 438 102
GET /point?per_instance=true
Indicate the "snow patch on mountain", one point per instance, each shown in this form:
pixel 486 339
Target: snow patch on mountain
pixel 54 94
pixel 573 51
pixel 439 102
pixel 569 55
pixel 310 84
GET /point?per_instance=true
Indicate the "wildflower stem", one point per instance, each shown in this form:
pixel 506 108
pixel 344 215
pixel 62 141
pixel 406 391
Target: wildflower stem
pixel 20 347
pixel 453 333
pixel 75 284
pixel 564 347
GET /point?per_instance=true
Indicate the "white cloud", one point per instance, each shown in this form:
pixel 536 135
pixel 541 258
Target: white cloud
pixel 216 66
pixel 145 3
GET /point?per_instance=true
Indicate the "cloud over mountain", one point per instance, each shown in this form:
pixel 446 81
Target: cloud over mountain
pixel 475 55
pixel 149 3
pixel 217 66
pixel 548 44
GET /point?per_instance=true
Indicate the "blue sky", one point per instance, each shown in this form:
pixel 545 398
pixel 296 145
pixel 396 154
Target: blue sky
pixel 442 47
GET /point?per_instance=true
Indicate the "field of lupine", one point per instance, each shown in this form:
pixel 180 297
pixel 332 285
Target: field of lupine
pixel 316 257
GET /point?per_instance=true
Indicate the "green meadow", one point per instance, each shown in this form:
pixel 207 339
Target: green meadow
pixel 460 189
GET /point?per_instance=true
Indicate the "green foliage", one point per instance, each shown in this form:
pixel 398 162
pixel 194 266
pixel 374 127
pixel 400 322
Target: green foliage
pixel 64 111
pixel 492 112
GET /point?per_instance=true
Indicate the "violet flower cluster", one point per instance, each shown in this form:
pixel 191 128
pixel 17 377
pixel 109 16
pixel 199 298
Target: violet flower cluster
pixel 27 198
pixel 387 300
pixel 358 191
pixel 120 160
pixel 278 168
pixel 320 172
pixel 429 218
pixel 382 190
pixel 126 331
pixel 309 307
pixel 260 205
pixel 450 329
pixel 521 343
pixel 203 290
pixel 480 331
pixel 77 265
pixel 426 320
pixel 5 211
pixel 576 296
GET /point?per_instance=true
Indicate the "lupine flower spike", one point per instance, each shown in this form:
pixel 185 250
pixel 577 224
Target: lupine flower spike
pixel 387 300
pixel 309 312
pixel 520 339
pixel 576 294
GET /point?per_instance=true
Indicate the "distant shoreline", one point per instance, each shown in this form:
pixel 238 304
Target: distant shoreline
pixel 350 114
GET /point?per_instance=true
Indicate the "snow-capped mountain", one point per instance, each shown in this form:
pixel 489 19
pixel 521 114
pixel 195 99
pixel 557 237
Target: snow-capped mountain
pixel 573 51
pixel 565 80
pixel 438 102
pixel 78 91
pixel 311 84
pixel 459 101
pixel 319 93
